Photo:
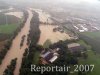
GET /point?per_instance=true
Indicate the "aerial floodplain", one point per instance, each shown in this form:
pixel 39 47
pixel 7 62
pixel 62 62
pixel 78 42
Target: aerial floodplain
pixel 49 37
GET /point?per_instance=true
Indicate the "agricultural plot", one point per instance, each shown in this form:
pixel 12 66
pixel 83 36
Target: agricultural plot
pixel 8 19
pixel 94 35
pixel 8 24
pixel 92 60
pixel 93 39
pixel 8 29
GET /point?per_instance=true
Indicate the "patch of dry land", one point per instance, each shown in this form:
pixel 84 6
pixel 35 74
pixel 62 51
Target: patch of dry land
pixel 17 14
pixel 47 33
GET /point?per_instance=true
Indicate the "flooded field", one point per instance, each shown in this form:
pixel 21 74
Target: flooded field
pixel 47 30
pixel 9 9
pixel 43 16
pixel 17 14
pixel 47 33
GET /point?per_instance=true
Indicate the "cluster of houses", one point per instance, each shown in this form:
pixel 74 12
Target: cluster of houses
pixel 51 55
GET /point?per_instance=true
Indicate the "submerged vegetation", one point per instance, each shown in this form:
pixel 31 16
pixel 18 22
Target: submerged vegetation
pixel 32 40
pixel 10 68
pixel 10 40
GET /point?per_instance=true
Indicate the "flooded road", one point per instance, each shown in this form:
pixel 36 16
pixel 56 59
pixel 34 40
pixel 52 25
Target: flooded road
pixel 15 51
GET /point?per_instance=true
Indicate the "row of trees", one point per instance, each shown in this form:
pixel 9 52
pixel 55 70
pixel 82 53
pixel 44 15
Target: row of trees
pixel 5 50
pixel 33 37
pixel 47 23
pixel 22 41
pixel 7 46
pixel 10 68
pixel 21 24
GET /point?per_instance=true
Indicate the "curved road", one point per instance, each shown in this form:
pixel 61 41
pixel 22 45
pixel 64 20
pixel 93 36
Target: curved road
pixel 15 51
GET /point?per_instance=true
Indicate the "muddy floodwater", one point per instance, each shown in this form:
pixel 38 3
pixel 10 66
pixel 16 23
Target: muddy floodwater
pixel 43 16
pixel 47 33
pixel 15 51
pixel 17 14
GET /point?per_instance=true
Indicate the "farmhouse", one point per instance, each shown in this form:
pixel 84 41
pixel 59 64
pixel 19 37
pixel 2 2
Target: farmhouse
pixel 49 56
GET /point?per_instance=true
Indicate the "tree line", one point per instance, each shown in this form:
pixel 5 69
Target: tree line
pixel 10 68
pixel 33 37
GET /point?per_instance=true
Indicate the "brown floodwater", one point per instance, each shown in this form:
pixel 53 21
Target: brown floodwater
pixel 47 33
pixel 15 51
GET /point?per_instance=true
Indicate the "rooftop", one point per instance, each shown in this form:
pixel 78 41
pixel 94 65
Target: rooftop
pixel 73 45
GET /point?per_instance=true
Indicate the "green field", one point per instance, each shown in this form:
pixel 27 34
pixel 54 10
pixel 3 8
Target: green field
pixel 84 44
pixel 11 25
pixel 94 60
pixel 92 38
pixel 8 29
pixel 94 35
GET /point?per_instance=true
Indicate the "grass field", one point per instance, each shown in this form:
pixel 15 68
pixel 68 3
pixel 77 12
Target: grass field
pixel 94 35
pixel 94 60
pixel 8 29
pixel 92 38
pixel 84 44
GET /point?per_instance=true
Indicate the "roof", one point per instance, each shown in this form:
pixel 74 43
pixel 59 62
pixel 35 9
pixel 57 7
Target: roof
pixel 50 56
pixel 45 54
pixel 53 59
pixel 73 45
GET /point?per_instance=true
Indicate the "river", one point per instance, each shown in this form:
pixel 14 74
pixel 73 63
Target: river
pixel 15 51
